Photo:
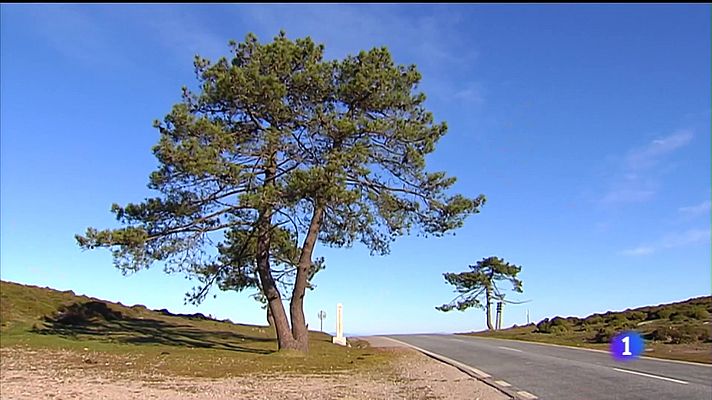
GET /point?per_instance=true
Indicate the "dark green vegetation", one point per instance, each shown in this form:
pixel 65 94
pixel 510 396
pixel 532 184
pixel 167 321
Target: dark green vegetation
pixel 157 341
pixel 680 331
pixel 482 280
pixel 279 149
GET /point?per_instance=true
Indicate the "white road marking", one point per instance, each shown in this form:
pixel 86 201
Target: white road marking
pixel 482 374
pixel 443 358
pixel 509 348
pixel 502 383
pixel 651 376
pixel 526 395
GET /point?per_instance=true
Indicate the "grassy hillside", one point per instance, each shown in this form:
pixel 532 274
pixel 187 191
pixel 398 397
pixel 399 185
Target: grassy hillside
pixel 680 331
pixel 158 341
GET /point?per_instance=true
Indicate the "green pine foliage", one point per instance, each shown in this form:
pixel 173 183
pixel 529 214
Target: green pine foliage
pixel 481 282
pixel 278 148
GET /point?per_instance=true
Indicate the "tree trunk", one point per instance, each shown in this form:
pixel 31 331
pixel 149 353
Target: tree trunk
pixel 300 331
pixel 489 309
pixel 270 318
pixel 285 340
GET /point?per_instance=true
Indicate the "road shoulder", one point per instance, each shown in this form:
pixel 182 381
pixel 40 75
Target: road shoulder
pixel 446 378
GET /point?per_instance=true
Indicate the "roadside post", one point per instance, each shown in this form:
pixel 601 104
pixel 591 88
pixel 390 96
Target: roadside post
pixel 322 317
pixel 339 338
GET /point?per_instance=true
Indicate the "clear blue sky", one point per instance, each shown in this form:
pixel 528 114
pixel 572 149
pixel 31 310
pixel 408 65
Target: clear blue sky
pixel 587 127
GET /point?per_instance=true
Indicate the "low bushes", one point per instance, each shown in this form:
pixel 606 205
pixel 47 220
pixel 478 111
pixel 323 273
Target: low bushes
pixel 635 315
pixel 699 313
pixel 678 316
pixel 557 325
pixel 603 335
pixel 593 320
pixel 681 334
pixel 84 313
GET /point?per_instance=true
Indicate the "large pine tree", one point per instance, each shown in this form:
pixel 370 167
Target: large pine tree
pixel 278 149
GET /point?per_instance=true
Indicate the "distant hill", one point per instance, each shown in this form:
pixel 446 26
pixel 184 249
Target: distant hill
pixel 96 333
pixel 31 307
pixel 679 330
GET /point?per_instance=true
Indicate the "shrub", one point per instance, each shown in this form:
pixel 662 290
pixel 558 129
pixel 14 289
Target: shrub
pixel 677 316
pixel 682 334
pixel 707 335
pixel 604 335
pixel 617 319
pixel 651 315
pixel 544 326
pixel 620 322
pixel 691 333
pixel 558 321
pixel 664 313
pixel 663 334
pixel 559 329
pixel 593 320
pixel 84 313
pixel 698 313
pixel 635 315
pixel 70 317
pixel 559 326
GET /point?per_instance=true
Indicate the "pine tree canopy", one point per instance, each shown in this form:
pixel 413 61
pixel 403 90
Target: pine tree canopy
pixel 275 145
pixel 481 280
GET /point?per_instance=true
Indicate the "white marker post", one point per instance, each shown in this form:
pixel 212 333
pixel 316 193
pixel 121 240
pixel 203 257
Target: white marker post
pixel 339 338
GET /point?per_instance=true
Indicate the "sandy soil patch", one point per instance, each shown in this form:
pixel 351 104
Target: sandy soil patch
pixel 55 374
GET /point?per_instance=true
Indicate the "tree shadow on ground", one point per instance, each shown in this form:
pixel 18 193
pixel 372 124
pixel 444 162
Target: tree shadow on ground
pixel 93 319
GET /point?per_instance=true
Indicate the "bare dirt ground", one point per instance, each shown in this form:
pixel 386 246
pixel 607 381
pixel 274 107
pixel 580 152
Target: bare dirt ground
pixel 57 374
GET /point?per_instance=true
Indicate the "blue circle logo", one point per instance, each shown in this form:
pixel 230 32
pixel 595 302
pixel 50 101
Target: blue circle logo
pixel 626 346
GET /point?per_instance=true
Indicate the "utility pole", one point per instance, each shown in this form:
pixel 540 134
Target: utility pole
pixel 322 317
pixel 498 323
pixel 527 316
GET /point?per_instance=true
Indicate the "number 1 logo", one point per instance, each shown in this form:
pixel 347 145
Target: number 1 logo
pixel 627 346
pixel 626 342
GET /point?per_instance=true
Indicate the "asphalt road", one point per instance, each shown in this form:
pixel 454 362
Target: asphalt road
pixel 561 373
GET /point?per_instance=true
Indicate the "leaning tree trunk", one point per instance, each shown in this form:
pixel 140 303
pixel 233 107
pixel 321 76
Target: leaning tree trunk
pixel 300 331
pixel 285 340
pixel 488 299
pixel 270 318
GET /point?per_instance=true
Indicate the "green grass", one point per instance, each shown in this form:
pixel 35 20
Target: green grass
pixel 150 341
pixel 679 331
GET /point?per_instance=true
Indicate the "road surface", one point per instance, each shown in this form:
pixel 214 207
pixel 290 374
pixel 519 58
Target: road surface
pixel 561 373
